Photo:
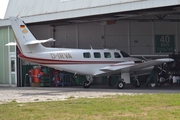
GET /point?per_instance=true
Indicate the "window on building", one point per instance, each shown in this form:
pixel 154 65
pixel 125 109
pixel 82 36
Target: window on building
pixel 97 55
pixel 12 65
pixel 117 55
pixel 87 55
pixel 107 55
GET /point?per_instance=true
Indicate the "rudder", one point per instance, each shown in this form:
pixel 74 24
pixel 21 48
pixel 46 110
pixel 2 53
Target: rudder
pixel 23 35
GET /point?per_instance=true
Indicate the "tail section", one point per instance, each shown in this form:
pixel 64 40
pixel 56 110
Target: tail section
pixel 25 40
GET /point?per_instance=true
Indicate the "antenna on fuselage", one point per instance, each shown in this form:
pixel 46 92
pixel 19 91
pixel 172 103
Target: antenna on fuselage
pixel 91 47
pixel 74 74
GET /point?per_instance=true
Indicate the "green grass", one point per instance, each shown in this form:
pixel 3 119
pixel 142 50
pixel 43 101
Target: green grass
pixel 125 107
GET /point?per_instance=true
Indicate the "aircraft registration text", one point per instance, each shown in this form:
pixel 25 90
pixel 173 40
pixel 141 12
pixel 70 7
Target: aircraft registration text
pixel 61 56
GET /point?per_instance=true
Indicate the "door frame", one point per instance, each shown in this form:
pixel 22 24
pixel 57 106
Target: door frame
pixel 14 72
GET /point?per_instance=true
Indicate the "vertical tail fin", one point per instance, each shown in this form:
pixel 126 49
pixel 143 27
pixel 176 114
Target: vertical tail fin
pixel 23 36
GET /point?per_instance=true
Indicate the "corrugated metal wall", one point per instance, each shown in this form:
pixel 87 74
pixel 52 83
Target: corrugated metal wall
pixel 44 10
pixel 6 53
pixel 38 7
pixel 4 56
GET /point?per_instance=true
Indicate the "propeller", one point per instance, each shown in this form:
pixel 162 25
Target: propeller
pixel 174 56
pixel 173 53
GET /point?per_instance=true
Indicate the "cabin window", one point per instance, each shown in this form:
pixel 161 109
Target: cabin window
pixel 97 55
pixel 87 55
pixel 117 55
pixel 124 54
pixel 107 55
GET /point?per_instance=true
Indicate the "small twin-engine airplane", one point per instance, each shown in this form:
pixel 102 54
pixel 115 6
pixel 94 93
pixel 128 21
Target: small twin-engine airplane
pixel 89 62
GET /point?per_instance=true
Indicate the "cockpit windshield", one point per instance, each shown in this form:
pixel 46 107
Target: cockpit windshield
pixel 124 54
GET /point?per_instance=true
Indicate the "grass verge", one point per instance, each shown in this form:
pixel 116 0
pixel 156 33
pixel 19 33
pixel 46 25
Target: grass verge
pixel 125 107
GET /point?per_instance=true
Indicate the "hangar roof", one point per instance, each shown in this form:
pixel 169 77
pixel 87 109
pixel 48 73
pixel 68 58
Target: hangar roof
pixel 63 9
pixel 33 11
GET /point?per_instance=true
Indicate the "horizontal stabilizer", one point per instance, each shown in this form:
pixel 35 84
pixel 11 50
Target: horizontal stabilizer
pixel 39 41
pixel 11 44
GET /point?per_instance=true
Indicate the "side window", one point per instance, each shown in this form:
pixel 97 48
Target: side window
pixel 87 55
pixel 124 54
pixel 97 55
pixel 107 55
pixel 117 55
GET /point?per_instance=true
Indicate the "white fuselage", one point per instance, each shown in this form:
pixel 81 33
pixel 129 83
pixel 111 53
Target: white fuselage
pixel 79 61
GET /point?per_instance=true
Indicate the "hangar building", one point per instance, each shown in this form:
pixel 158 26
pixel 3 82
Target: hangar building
pixel 138 27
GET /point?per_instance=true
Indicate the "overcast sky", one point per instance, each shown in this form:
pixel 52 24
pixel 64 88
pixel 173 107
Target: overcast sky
pixel 3 6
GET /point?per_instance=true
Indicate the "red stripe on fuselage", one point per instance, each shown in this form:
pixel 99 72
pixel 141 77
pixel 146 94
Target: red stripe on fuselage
pixel 49 61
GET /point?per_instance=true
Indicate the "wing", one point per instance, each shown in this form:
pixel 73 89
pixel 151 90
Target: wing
pixel 131 66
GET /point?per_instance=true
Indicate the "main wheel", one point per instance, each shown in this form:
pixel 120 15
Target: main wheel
pixel 86 84
pixel 120 85
pixel 137 83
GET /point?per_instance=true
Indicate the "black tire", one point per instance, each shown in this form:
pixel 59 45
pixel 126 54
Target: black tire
pixel 85 84
pixel 120 85
pixel 137 83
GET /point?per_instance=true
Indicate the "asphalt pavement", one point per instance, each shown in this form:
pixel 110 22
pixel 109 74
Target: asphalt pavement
pixel 37 94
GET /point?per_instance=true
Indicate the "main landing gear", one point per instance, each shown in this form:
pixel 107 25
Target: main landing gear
pixel 120 84
pixel 87 83
pixel 136 82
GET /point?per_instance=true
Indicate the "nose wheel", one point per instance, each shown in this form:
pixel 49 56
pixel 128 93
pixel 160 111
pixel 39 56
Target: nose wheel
pixel 86 84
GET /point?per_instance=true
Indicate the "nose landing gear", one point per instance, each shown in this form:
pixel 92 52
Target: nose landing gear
pixel 87 83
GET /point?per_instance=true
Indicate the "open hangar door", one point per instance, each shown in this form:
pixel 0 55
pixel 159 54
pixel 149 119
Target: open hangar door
pixel 125 30
pixel 134 32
